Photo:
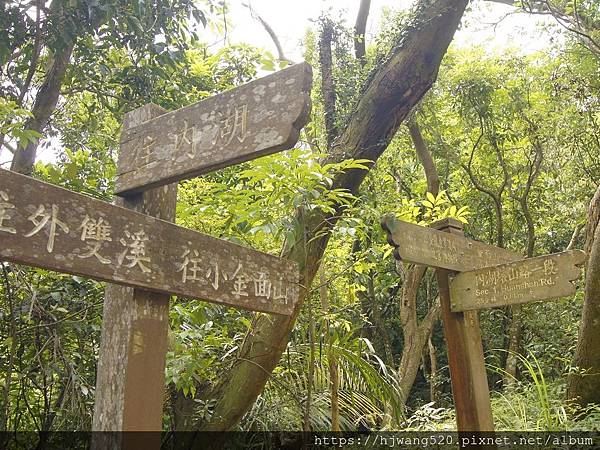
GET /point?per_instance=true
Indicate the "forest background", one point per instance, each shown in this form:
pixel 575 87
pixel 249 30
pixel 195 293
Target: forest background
pixel 506 140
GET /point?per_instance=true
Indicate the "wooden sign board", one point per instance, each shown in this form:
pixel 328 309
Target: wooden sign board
pixel 46 226
pixel 422 245
pixel 259 118
pixel 524 281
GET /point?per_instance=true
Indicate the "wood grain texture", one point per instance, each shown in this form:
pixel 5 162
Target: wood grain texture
pixel 50 227
pixel 257 119
pixel 130 378
pixel 423 245
pixel 528 280
pixel 466 361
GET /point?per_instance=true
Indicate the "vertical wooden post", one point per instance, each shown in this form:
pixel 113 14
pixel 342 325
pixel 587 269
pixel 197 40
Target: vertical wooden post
pixel 130 380
pixel 465 354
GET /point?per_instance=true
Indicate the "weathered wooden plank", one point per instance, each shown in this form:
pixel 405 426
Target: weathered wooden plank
pixel 259 118
pixel 130 379
pixel 45 226
pixel 422 245
pixel 528 280
pixel 468 375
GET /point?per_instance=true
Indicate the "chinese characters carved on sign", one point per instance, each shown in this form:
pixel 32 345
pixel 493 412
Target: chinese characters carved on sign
pixel 72 233
pixel 259 118
pixel 540 278
pixel 206 271
pixel 97 231
pixel 5 207
pixel 225 129
pixel 194 268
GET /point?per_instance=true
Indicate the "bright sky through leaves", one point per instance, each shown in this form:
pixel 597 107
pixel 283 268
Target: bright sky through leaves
pixel 488 24
pixel 492 25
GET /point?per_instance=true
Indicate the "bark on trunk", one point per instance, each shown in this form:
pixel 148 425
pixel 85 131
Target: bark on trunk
pixel 45 104
pixel 392 91
pixel 584 385
pixel 433 372
pixel 415 335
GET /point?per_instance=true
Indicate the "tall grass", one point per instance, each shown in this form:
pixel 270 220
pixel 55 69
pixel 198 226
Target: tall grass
pixel 533 403
pixel 537 404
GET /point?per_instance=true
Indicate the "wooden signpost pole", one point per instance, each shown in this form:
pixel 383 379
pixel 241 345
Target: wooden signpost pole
pixel 130 376
pixel 257 119
pixel 465 354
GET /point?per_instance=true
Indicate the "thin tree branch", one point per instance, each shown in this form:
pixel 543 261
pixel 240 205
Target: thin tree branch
pixel 575 236
pixel 359 31
pixel 280 53
pixel 433 180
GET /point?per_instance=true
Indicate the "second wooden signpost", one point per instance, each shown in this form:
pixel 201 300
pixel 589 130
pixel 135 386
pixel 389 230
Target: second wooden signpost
pixel 488 277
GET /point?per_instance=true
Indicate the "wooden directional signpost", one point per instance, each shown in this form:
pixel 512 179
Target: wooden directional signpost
pixel 528 280
pixel 133 244
pixel 257 119
pixel 47 226
pixel 430 247
pixel 489 277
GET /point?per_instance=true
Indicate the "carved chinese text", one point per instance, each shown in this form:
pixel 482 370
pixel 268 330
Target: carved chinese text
pixel 76 234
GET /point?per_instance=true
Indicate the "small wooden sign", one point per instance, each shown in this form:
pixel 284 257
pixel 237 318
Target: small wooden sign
pixel 46 226
pixel 541 278
pixel 257 119
pixel 422 245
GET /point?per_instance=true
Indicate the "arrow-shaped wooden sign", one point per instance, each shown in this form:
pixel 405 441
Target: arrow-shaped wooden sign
pixel 259 118
pixel 42 225
pixel 422 245
pixel 528 280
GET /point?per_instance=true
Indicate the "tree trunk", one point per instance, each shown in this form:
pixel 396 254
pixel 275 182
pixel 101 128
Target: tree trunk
pixel 424 155
pixel 516 324
pixel 310 370
pixel 414 335
pixel 584 385
pixel 514 345
pixel 327 84
pixel 359 31
pixel 433 370
pixel 11 357
pixel 378 321
pixel 392 91
pixel 45 104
